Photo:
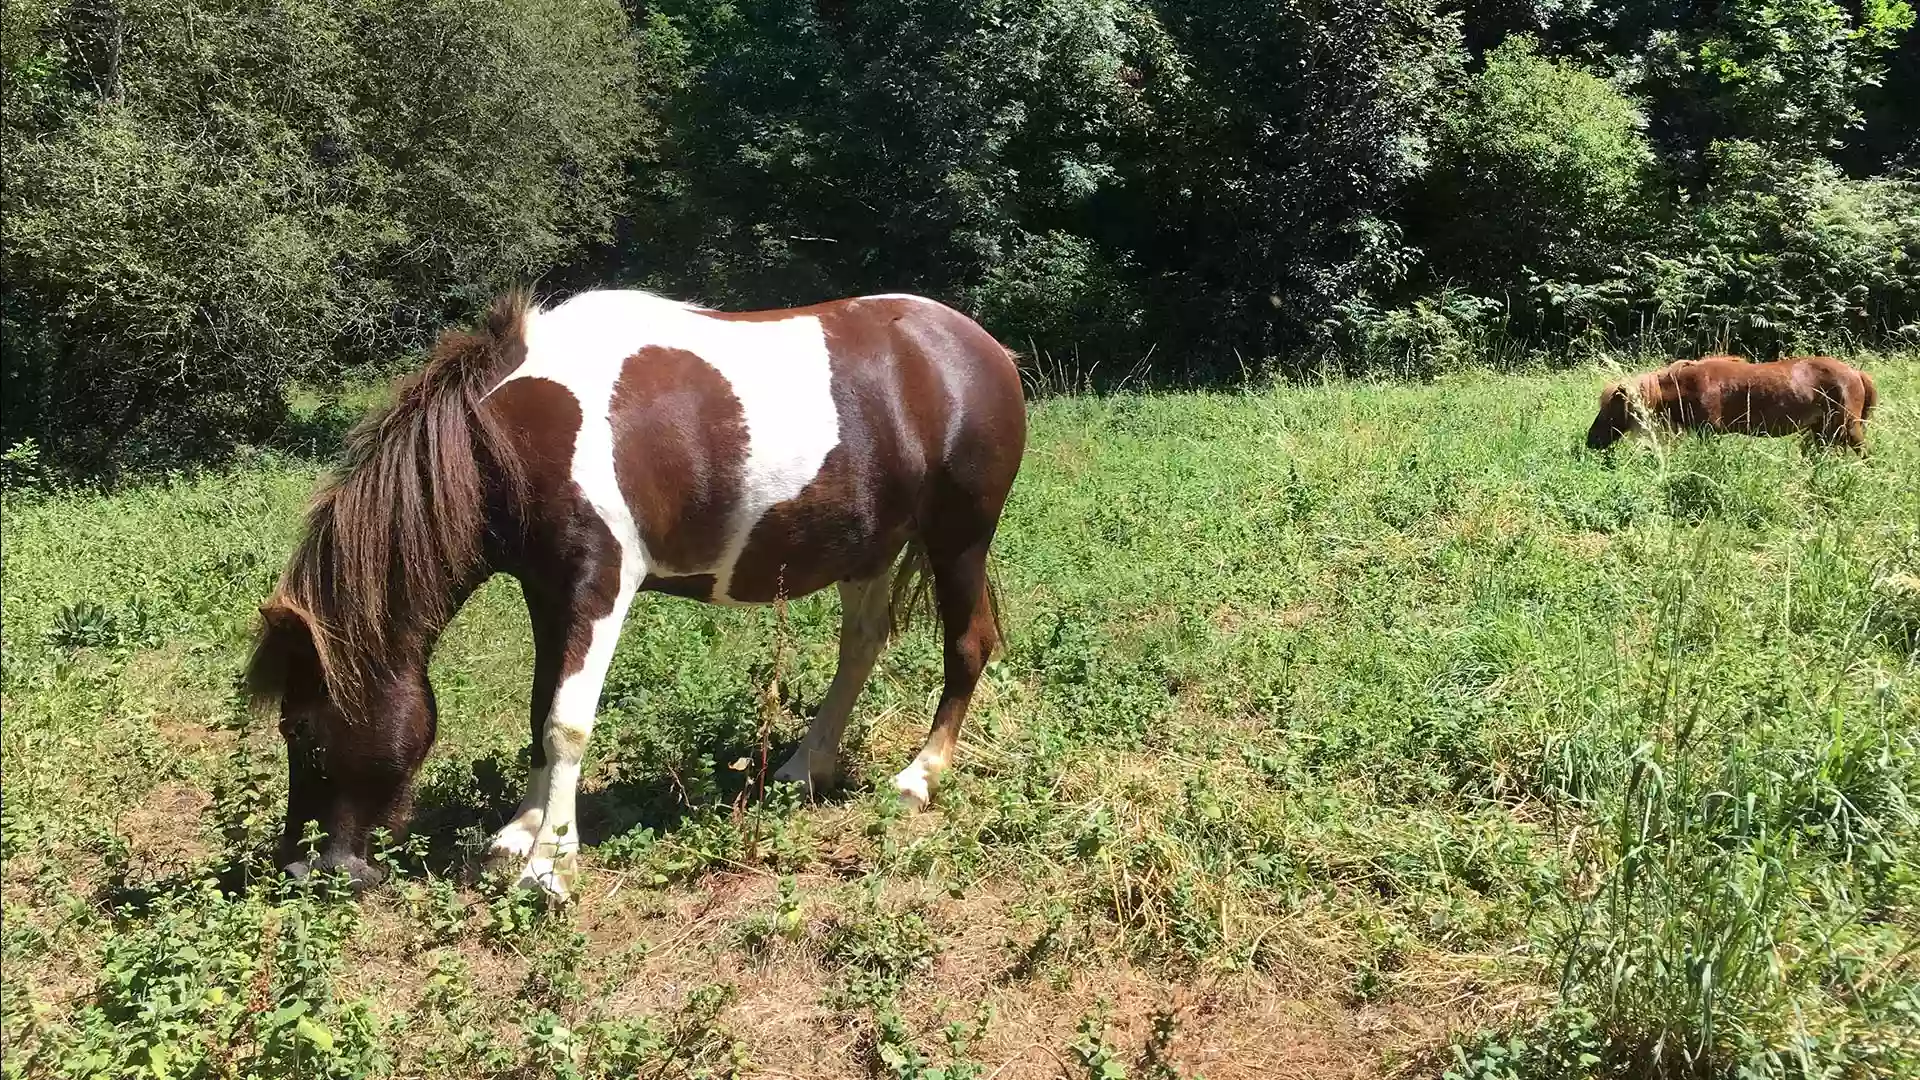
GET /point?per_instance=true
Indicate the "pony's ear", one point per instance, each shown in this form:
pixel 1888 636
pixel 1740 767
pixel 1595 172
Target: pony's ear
pixel 1618 403
pixel 277 614
pixel 285 645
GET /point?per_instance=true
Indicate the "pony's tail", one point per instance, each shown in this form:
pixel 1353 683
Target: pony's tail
pixel 404 523
pixel 1870 396
pixel 913 588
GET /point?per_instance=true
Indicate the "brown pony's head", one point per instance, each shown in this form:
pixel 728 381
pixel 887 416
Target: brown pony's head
pixel 391 546
pixel 1616 418
pixel 349 760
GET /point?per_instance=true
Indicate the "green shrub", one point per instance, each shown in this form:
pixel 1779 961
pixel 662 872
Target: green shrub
pixel 1543 167
pixel 1447 331
pixel 1784 255
pixel 203 204
pixel 1058 293
pixel 1777 256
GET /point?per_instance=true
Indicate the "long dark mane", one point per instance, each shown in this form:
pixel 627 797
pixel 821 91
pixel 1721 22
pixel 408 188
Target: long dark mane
pixel 401 524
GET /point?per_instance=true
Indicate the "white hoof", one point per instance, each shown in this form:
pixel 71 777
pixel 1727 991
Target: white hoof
pixel 915 786
pixel 555 877
pixel 802 769
pixel 515 842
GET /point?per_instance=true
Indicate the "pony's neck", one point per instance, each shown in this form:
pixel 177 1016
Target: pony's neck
pixel 407 652
pixel 413 649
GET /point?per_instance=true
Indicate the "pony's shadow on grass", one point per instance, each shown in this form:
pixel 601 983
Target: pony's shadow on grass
pixel 462 804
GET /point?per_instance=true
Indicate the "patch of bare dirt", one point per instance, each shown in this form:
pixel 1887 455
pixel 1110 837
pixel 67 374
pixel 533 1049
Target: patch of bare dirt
pixel 163 831
pixel 648 950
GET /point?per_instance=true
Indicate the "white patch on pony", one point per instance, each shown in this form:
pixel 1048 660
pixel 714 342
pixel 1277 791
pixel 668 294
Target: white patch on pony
pixel 778 370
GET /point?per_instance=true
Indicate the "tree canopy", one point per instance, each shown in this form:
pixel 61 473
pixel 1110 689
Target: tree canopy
pixel 207 202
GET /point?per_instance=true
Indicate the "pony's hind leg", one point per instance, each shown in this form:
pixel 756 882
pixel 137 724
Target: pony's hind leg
pixel 864 624
pixel 967 623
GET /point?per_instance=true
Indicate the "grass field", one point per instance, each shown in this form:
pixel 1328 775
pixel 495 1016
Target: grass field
pixel 1349 730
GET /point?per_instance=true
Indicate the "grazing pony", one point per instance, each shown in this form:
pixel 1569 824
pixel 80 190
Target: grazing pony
pixel 620 442
pixel 1827 400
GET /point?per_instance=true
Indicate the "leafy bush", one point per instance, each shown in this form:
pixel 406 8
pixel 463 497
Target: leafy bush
pixel 1268 201
pixel 1787 75
pixel 1777 256
pixel 1544 167
pixel 1432 335
pixel 1058 292
pixel 203 204
pixel 1103 173
pixel 1785 254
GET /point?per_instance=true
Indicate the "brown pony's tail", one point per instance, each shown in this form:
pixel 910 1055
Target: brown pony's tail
pixel 392 537
pixel 913 586
pixel 1870 397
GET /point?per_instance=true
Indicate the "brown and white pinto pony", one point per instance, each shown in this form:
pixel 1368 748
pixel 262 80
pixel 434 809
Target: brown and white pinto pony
pixel 620 442
pixel 1827 400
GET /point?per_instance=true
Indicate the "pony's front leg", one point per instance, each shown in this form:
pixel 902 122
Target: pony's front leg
pixel 590 643
pixel 552 621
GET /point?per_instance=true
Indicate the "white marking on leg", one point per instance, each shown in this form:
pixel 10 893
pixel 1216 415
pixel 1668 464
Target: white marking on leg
pixel 915 782
pixel 863 634
pixel 569 728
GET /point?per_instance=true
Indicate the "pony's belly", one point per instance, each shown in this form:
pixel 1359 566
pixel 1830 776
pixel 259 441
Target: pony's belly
pixel 799 548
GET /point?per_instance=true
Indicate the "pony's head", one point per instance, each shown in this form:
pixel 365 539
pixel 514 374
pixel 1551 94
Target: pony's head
pixel 392 545
pixel 1615 419
pixel 351 752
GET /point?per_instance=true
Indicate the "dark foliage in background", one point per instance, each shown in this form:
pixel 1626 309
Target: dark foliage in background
pixel 208 202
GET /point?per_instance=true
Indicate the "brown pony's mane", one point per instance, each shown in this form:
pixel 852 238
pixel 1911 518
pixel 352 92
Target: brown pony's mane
pixel 399 526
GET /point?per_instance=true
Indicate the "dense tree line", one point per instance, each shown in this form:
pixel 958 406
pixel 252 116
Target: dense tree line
pixel 207 201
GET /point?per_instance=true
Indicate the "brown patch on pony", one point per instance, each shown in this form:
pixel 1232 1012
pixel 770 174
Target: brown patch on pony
pixel 565 557
pixel 831 531
pixel 770 314
pixel 681 452
pixel 391 538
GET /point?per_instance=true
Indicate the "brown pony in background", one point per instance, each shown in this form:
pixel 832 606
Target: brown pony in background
pixel 1825 399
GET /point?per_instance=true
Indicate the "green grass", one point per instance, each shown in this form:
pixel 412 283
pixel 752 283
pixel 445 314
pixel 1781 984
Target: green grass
pixel 1353 727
